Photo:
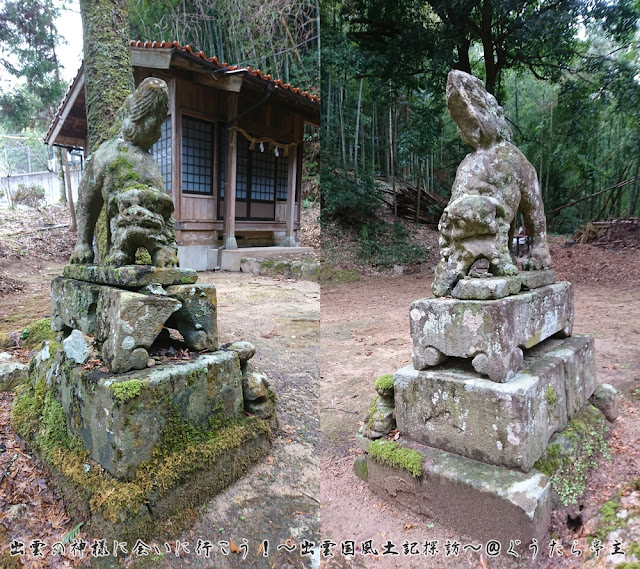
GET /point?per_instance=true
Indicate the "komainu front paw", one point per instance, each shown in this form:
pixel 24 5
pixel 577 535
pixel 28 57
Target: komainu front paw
pixel 82 255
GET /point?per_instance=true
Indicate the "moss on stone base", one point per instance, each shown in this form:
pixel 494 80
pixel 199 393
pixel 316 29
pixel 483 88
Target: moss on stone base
pixel 37 332
pixel 180 476
pixel 572 453
pixel 124 391
pixel 391 453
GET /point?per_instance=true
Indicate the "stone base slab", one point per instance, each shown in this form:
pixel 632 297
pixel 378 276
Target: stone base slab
pixel 159 511
pixel 507 424
pixel 121 418
pixel 476 500
pixel 130 276
pixel 486 288
pixel 492 333
pixel 536 279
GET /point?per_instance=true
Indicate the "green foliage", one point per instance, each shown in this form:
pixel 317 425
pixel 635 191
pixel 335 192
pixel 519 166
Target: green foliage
pixel 32 196
pixel 28 40
pixel 279 37
pixel 385 245
pixel 393 454
pixel 345 199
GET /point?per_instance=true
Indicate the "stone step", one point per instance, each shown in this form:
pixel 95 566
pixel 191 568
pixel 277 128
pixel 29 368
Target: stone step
pixel 456 409
pixel 492 333
pixel 478 500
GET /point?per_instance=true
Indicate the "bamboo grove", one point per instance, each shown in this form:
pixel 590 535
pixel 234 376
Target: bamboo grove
pixel 280 37
pixel 571 95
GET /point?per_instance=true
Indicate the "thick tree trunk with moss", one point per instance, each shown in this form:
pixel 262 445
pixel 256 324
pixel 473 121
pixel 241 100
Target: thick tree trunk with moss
pixel 108 76
pixel 107 65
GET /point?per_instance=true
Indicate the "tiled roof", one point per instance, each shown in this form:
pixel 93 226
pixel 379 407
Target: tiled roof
pixel 185 49
pixel 225 66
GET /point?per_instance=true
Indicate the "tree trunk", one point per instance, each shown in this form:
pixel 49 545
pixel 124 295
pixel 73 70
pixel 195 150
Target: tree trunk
pixel 67 176
pixel 108 79
pixel 107 65
pixel 58 152
pixel 355 158
pixel 393 169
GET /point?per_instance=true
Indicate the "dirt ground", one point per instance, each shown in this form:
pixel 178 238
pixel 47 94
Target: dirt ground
pixel 365 333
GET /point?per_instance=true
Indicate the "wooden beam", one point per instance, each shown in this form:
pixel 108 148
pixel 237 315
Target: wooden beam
pixel 176 147
pixel 68 105
pixel 230 83
pixel 157 58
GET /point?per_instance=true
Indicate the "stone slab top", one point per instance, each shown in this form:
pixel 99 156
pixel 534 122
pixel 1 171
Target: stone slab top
pixel 536 279
pixel 130 276
pixel 494 288
pixel 490 288
pixel 490 332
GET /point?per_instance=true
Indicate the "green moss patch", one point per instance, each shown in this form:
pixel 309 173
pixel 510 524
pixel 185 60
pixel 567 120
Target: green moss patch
pixel 572 453
pixel 391 453
pixel 327 275
pixel 124 391
pixel 384 382
pixel 37 332
pixel 190 466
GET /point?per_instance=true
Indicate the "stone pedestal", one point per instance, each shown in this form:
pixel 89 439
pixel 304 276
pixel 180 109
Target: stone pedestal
pixel 505 424
pixel 122 418
pixel 492 382
pixel 166 433
pixel 492 333
pixel 126 321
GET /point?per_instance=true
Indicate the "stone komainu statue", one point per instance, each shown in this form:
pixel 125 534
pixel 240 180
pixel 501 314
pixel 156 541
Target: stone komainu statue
pixel 124 176
pixel 492 184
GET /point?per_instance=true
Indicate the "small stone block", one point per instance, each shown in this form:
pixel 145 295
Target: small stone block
pixel 130 276
pixel 490 288
pixel 12 372
pixel 128 323
pixel 478 500
pixel 360 468
pixel 537 279
pixel 492 332
pixel 76 347
pixel 245 351
pixel 73 305
pixel 605 398
pixel 197 320
pixel 121 418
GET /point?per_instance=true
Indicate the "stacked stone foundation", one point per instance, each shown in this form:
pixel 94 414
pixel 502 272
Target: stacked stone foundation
pixel 132 433
pixel 492 382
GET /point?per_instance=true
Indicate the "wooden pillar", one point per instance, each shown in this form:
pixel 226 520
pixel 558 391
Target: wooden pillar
pixel 230 180
pixel 289 240
pixel 176 156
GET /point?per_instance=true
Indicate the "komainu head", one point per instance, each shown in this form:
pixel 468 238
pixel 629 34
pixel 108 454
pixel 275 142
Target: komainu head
pixel 144 111
pixel 479 118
